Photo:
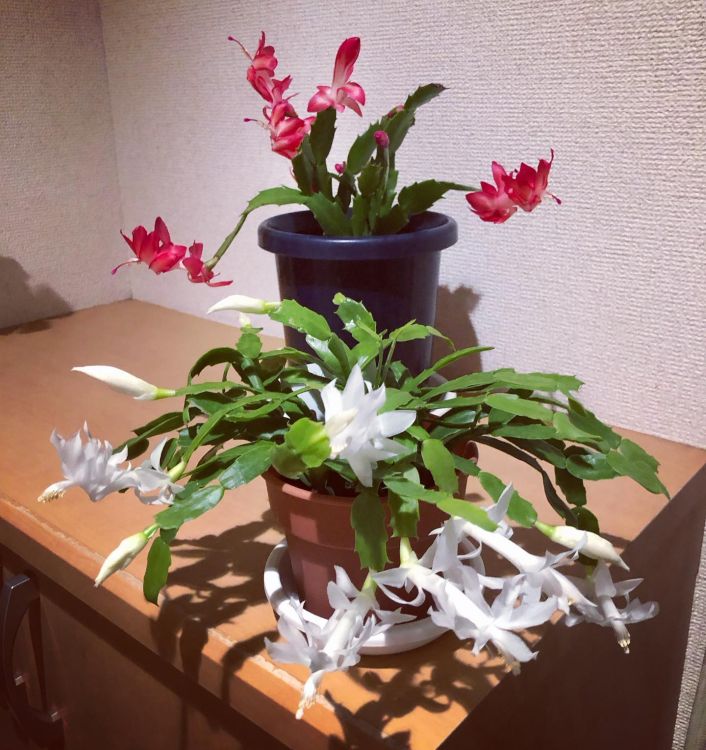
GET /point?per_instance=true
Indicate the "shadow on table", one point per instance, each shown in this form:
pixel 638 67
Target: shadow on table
pixel 204 602
pixel 184 619
pixel 19 298
pixel 433 678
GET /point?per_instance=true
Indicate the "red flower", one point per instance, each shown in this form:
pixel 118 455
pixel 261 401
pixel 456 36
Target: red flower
pixel 524 188
pixel 493 203
pixel 287 131
pixel 263 63
pixel 197 270
pixel 342 92
pixel 155 249
pixel 528 186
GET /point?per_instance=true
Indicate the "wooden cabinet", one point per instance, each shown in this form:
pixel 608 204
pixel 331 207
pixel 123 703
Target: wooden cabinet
pixel 193 674
pixel 106 690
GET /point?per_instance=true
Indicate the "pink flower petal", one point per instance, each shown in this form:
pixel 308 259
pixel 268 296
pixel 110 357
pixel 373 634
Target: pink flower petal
pixel 345 60
pixel 321 100
pixel 355 91
pixel 351 104
pixel 161 231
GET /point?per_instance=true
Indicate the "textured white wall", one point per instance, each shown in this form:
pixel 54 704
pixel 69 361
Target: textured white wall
pixel 59 199
pixel 609 285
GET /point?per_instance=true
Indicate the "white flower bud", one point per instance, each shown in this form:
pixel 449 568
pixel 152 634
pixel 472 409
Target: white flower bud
pixel 125 382
pixel 243 303
pixel 588 543
pixel 122 555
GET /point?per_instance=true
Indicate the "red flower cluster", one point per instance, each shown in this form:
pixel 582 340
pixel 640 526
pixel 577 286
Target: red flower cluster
pixel 287 130
pixel 524 188
pixel 157 251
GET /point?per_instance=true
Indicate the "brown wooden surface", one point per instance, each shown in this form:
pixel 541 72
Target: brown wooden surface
pixel 214 614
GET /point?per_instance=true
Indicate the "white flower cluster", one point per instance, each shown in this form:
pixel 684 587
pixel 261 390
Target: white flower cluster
pixel 336 645
pixel 467 601
pixel 95 468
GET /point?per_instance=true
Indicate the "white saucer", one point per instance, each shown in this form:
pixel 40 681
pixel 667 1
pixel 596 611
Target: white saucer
pixel 281 593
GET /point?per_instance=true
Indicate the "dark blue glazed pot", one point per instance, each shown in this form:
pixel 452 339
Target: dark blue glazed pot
pixel 395 275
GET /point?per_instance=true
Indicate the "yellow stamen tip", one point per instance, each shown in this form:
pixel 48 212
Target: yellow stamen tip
pixel 47 497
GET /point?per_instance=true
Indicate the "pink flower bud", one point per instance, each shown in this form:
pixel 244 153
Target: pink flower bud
pixel 340 167
pixel 382 138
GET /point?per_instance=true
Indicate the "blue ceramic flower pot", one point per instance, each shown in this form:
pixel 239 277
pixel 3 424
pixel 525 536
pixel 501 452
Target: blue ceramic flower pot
pixel 395 276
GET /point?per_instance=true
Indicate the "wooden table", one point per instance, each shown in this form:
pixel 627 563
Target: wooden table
pixel 214 615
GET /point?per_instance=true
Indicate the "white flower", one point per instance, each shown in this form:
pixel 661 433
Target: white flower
pixel 334 646
pixel 446 397
pixel 515 608
pixel 587 542
pixel 607 614
pixel 155 486
pixel 343 595
pixel 122 555
pixel 465 610
pixel 125 382
pixel 94 467
pixel 244 304
pixel 91 465
pixel 311 645
pixel 537 572
pixel 357 432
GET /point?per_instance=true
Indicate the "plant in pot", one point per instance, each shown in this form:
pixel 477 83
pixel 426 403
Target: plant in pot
pixel 363 456
pixel 360 235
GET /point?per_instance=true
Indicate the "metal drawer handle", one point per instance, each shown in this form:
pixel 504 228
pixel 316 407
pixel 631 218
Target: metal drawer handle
pixel 18 594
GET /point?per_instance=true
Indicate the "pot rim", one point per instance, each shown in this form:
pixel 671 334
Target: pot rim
pixel 294 234
pixel 301 493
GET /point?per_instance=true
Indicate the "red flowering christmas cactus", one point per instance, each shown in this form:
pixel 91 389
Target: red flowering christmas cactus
pixel 360 196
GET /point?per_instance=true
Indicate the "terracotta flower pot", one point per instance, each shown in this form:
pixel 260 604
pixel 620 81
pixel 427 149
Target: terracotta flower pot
pixel 319 536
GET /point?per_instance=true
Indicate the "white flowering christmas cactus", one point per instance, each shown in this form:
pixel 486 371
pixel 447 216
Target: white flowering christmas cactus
pixel 348 419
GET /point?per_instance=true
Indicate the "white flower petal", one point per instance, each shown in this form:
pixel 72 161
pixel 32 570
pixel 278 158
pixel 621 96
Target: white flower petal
pixel 362 468
pixel 332 399
pixel 446 397
pixel 393 422
pixel 498 511
pixel 354 390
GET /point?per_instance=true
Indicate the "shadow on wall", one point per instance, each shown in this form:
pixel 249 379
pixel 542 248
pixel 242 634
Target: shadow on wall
pixel 453 318
pixel 20 301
